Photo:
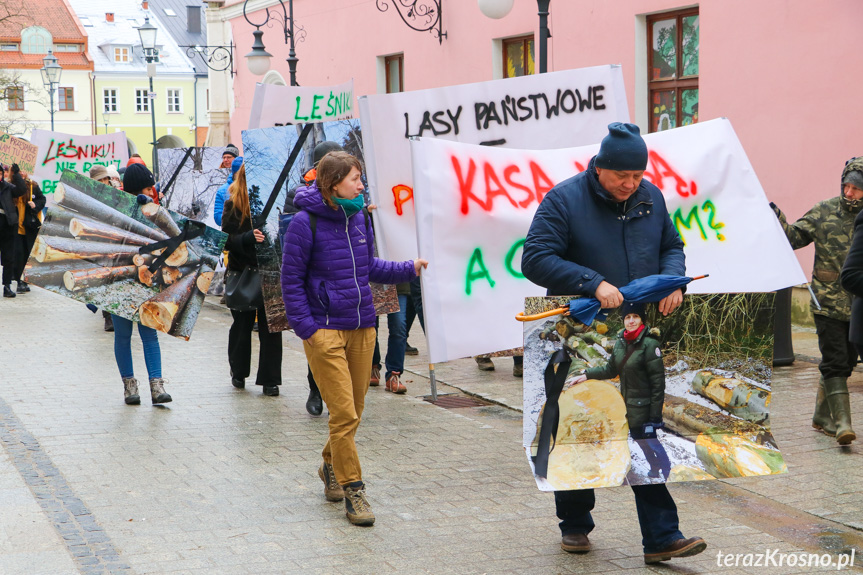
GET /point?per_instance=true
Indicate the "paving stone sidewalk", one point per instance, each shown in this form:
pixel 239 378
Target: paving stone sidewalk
pixel 224 480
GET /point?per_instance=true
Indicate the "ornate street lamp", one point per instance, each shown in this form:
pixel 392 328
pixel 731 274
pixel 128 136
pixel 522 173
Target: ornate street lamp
pixel 419 15
pixel 51 71
pixel 258 59
pixel 500 8
pixel 148 42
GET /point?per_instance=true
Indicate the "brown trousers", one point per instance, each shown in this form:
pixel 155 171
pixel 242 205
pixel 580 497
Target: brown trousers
pixel 341 362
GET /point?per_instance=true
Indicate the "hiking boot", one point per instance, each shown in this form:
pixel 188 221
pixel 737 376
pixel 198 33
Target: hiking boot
pixel 130 388
pixel 332 490
pixel 575 543
pixel 314 404
pixel 822 420
pixel 411 350
pixel 518 370
pixel 271 390
pixel 679 548
pixel 357 508
pixel 7 291
pixel 484 363
pixel 26 286
pixel 237 382
pixel 109 322
pixel 375 379
pixel 394 385
pixel 22 287
pixel 157 391
pixel 836 390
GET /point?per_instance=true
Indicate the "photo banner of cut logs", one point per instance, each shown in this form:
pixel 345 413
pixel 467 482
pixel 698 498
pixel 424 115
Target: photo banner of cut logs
pixel 266 152
pixel 140 262
pixel 717 351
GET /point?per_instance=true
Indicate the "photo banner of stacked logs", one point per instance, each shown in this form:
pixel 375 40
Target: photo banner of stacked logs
pixel 693 403
pixel 140 262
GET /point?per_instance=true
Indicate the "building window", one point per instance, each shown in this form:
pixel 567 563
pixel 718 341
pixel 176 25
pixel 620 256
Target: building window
pixel 9 47
pixel 518 57
pixel 35 40
pixel 67 47
pixel 66 99
pixel 121 54
pixel 142 100
pixel 672 65
pixel 395 66
pixel 109 100
pixel 15 98
pixel 174 100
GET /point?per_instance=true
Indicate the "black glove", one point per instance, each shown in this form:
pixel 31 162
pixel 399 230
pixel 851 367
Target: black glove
pixel 15 169
pixel 144 199
pixel 649 428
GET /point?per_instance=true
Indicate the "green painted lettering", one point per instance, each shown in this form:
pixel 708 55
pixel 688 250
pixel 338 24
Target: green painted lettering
pixel 715 226
pixel 297 112
pixel 476 270
pixel 510 256
pixel 681 222
pixel 316 107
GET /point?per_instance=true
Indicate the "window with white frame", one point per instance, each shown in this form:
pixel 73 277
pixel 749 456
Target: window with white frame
pixel 121 54
pixel 109 100
pixel 35 40
pixel 15 98
pixel 142 100
pixel 174 100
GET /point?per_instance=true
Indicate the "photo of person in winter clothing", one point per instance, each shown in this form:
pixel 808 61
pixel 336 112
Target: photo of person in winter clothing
pixel 327 265
pixel 30 205
pixel 637 359
pixel 830 226
pixel 9 215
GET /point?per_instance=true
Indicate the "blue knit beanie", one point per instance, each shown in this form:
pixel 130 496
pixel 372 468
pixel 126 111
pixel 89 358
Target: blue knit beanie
pixel 622 149
pixel 235 165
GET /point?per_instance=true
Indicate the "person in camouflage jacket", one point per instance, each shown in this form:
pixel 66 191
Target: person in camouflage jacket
pixel 830 225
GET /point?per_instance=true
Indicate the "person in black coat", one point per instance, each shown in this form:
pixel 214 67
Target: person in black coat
pixel 30 206
pixel 242 237
pixel 9 195
pixel 592 234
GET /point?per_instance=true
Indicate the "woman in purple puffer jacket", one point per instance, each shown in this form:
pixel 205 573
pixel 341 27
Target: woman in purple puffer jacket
pixel 327 263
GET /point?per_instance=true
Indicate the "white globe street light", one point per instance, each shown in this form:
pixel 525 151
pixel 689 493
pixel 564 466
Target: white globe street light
pixel 495 9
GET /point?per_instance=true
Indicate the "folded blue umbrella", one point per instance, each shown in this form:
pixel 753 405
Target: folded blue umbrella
pixel 647 289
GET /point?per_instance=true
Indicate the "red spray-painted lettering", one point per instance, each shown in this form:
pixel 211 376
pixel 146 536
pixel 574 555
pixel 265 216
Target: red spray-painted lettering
pixel 542 184
pixel 69 150
pixel 658 169
pixel 402 195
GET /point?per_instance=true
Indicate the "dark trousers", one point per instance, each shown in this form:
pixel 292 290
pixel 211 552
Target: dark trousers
pixel 23 247
pixel 657 514
pixel 838 355
pixel 8 237
pixel 240 348
pixel 653 451
pixel 417 301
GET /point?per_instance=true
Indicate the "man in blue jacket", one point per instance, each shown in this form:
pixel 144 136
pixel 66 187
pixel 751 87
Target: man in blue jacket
pixel 222 193
pixel 592 234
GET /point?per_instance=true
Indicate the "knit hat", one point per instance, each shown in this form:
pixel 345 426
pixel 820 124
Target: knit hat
pixel 98 173
pixel 855 178
pixel 231 149
pixel 136 178
pixel 235 165
pixel 629 307
pixel 323 149
pixel 112 172
pixel 622 149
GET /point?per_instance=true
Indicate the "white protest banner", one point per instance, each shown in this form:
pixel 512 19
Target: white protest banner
pixel 543 111
pixel 474 206
pixel 58 152
pixel 283 105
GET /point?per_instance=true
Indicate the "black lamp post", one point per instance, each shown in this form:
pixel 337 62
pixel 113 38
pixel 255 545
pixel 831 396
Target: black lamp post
pixel 51 71
pixel 148 42
pixel 500 8
pixel 258 59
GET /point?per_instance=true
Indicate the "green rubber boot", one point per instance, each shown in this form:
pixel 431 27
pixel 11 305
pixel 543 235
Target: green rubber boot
pixel 836 389
pixel 822 420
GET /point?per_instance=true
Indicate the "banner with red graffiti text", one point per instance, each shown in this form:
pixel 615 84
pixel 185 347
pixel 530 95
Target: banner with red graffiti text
pixel 58 152
pixel 540 112
pixel 475 204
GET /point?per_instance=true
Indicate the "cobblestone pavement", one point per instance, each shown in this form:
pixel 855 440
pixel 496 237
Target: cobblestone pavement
pixel 224 480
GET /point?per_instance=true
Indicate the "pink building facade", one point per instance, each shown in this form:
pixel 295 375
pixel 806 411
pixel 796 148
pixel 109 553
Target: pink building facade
pixel 787 77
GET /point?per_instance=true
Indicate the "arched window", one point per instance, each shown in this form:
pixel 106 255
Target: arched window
pixel 35 40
